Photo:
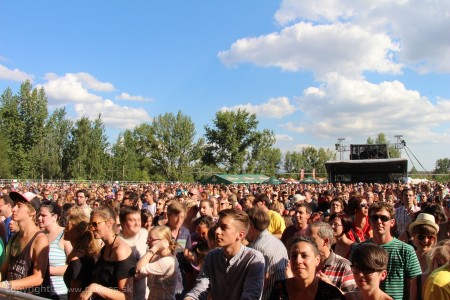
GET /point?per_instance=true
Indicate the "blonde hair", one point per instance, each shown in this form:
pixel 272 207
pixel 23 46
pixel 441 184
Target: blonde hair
pixel 163 232
pixel 441 249
pixel 85 242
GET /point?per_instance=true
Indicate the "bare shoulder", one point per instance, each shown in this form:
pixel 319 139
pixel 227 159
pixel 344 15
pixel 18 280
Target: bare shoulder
pixel 41 240
pixel 123 251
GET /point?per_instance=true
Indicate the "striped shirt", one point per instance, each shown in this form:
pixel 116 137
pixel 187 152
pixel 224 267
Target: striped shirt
pixel 402 265
pixel 56 258
pixel 339 271
pixel 276 259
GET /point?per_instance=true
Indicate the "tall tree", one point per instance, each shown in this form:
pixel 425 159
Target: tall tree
pixel 269 162
pixel 231 139
pixel 442 166
pixel 174 149
pixel 381 139
pixel 126 159
pixel 293 162
pixel 261 147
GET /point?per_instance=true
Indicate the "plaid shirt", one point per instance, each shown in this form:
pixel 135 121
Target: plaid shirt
pixel 339 271
pixel 403 217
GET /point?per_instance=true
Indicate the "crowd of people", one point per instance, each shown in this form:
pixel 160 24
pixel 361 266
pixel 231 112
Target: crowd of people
pixel 257 241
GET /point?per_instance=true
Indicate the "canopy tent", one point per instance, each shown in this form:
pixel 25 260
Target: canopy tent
pixel 309 180
pixel 273 180
pixel 235 179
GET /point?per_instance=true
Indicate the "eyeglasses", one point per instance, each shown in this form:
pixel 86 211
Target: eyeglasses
pixel 335 225
pixel 95 224
pixel 364 205
pixel 364 270
pixel 383 218
pixel 422 237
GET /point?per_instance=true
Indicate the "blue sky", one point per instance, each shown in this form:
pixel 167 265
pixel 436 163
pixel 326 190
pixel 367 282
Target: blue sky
pixel 312 70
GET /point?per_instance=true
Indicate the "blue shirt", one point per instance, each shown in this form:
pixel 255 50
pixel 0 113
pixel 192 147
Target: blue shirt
pixel 241 277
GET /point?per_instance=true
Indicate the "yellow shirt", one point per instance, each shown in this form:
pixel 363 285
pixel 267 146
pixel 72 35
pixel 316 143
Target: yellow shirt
pixel 277 224
pixel 437 286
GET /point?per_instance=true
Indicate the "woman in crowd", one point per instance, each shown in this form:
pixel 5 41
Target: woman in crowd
pixel 302 281
pixel 81 260
pixel 341 224
pixel 146 219
pixel 369 266
pixel 114 271
pixel 358 209
pixel 49 214
pixel 160 265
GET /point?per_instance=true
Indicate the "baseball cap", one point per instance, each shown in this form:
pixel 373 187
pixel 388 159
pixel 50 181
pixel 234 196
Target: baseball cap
pixel 27 197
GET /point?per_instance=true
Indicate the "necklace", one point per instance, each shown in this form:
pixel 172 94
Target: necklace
pixel 110 248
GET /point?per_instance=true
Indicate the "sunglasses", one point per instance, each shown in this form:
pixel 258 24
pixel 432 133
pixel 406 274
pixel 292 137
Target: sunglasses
pixel 224 203
pixel 152 240
pixel 364 205
pixel 422 237
pixel 95 224
pixel 383 218
pixel 366 271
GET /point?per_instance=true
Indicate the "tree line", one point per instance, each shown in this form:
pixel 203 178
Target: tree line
pixel 37 144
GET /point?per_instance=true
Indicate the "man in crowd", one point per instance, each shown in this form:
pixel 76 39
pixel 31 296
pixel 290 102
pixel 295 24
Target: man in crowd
pixel 275 254
pixel 333 266
pixel 149 202
pixel 403 267
pixel 277 224
pixel 301 216
pixel 6 205
pixel 231 271
pixel 81 201
pixel 405 213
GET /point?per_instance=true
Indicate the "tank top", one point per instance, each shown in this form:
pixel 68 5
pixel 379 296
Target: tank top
pixel 56 258
pixel 21 266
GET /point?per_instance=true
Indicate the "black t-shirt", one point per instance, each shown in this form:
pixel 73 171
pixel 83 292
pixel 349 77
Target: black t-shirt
pixel 108 273
pixel 79 269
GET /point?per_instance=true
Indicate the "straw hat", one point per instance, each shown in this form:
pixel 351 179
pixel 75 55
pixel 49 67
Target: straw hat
pixel 424 219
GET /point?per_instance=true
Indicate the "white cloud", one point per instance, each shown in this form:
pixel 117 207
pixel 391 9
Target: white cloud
pixel 93 84
pixel 342 48
pixel 126 96
pixel 75 89
pixel 113 115
pixel 69 88
pixel 283 138
pixel 15 75
pixel 294 128
pixel 418 26
pixel 274 108
pixel 352 107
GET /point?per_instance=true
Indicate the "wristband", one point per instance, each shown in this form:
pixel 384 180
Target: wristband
pixel 6 284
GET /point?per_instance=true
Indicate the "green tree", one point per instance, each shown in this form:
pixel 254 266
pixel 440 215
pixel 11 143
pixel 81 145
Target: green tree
pixel 51 148
pixel 269 162
pixel 174 150
pixel 293 162
pixel 256 157
pixel 442 166
pixel 125 157
pixel 381 139
pixel 22 121
pixel 5 163
pixel 231 139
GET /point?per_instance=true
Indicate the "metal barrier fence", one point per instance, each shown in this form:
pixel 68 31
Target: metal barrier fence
pixel 13 294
